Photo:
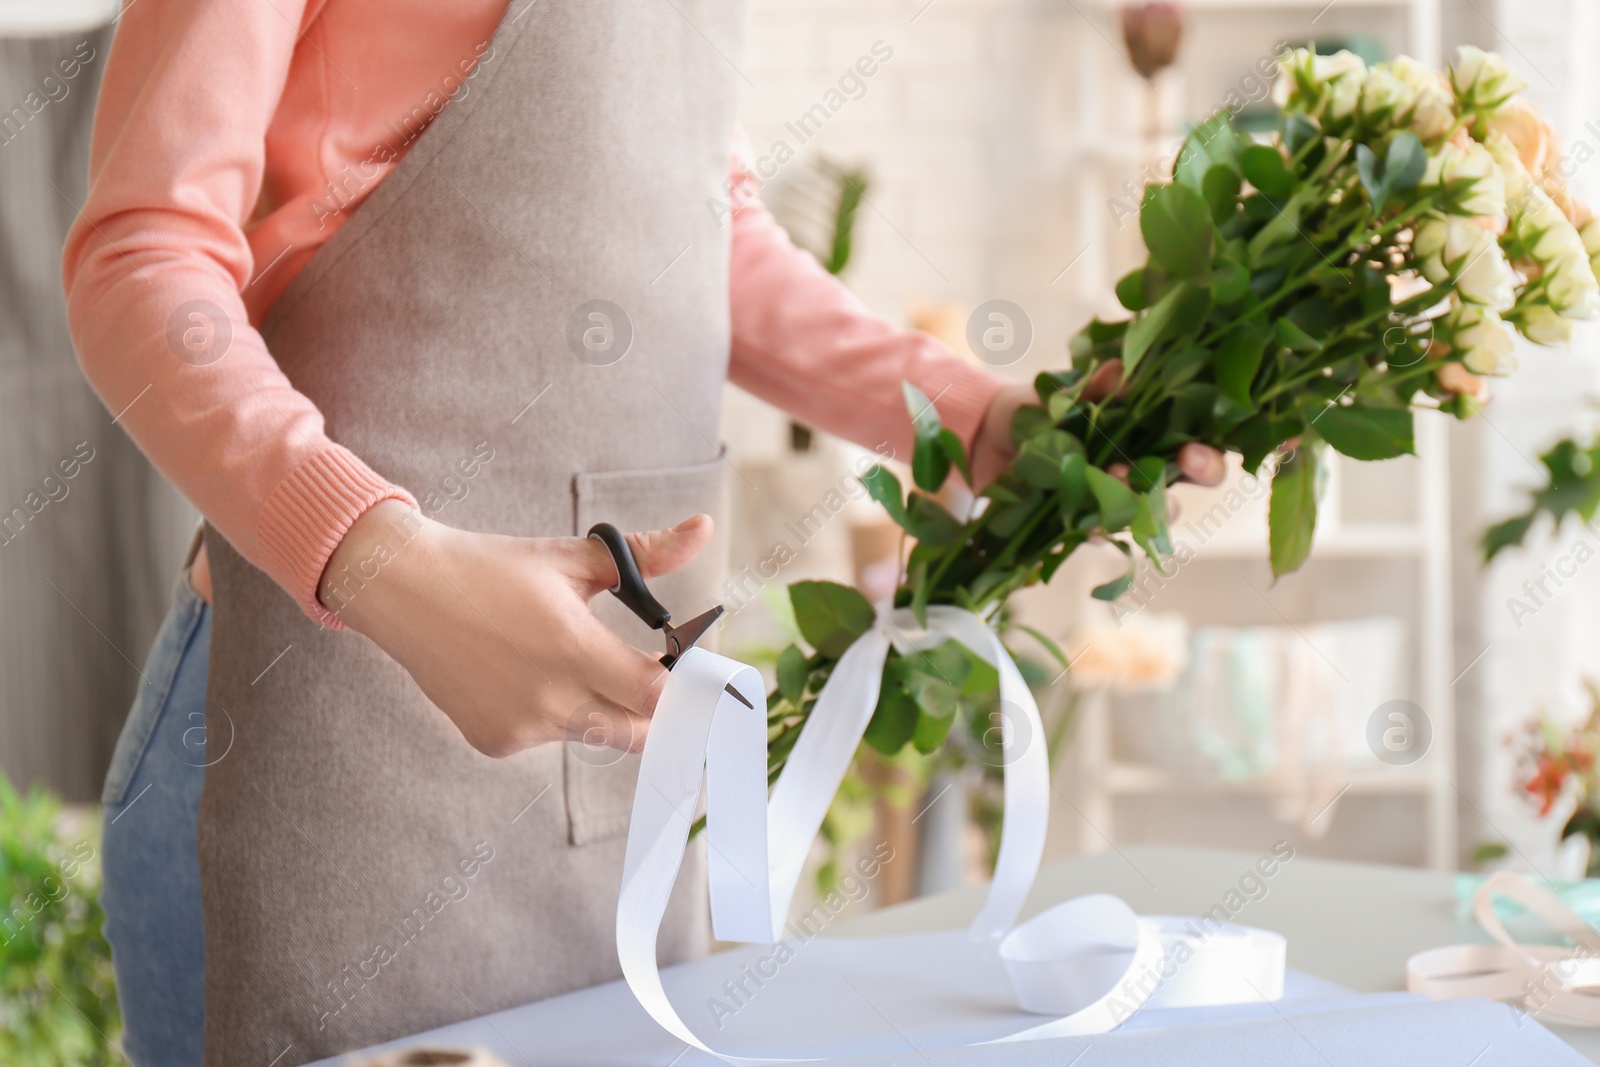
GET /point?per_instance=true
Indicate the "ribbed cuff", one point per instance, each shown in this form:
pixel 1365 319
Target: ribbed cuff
pixel 307 516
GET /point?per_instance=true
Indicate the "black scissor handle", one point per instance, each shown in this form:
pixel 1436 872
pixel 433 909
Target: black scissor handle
pixel 630 587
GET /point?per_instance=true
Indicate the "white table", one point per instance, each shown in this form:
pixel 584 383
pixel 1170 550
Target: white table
pixel 1351 924
pixel 1354 924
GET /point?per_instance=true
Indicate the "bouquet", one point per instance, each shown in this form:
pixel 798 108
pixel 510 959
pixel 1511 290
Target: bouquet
pixel 1302 293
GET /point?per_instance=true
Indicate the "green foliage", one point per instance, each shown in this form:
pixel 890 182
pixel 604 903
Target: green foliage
pixel 1118 504
pixel 852 190
pixel 1292 511
pixel 1573 489
pixel 1177 228
pixel 1238 359
pixel 58 1003
pixel 1264 167
pixel 830 616
pixel 1367 431
pixel 1180 305
pixel 1488 852
pixel 1400 169
pixel 882 486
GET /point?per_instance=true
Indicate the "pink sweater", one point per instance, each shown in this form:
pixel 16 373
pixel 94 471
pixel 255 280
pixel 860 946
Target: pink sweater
pixel 233 137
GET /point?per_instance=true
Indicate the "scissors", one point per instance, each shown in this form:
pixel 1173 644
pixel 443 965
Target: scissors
pixel 631 590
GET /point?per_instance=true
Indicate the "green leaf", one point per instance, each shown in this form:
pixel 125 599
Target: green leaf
pixel 1117 586
pixel 1220 187
pixel 1060 405
pixel 894 720
pixel 1182 305
pixel 1209 144
pixel 1282 226
pixel 1147 472
pixel 1048 644
pixel 1488 852
pixel 1229 282
pixel 1118 503
pixel 1184 367
pixel 920 591
pixel 929 522
pixel 1405 163
pixel 932 729
pixel 1009 518
pixel 1027 422
pixel 1003 489
pixel 1298 131
pixel 930 464
pixel 948 663
pixel 1264 167
pixel 1292 512
pixel 1366 432
pixel 1402 167
pixel 1039 461
pixel 1074 484
pixel 1238 360
pixel 830 616
pixel 1149 526
pixel 1177 229
pixel 957 452
pixel 882 486
pixel 1504 535
pixel 793 669
pixel 1130 290
pixel 1295 338
pixel 1370 168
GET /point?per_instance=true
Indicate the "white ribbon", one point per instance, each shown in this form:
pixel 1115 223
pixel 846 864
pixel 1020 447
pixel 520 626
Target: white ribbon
pixel 1091 961
pixel 1556 983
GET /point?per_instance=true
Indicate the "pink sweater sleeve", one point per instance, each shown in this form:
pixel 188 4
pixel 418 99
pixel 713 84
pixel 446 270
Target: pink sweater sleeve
pixel 154 271
pixel 803 342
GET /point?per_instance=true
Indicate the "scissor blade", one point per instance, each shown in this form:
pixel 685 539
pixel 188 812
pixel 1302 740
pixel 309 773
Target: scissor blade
pixel 682 638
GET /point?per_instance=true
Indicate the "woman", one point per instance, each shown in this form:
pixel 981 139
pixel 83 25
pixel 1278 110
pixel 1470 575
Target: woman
pixel 314 295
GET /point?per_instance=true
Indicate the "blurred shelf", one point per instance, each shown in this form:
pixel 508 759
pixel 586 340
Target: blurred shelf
pixel 1349 541
pixel 1281 5
pixel 1135 778
pixel 47 18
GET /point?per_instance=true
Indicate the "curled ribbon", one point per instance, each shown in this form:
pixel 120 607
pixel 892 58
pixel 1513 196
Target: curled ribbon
pixel 1078 961
pixel 1556 983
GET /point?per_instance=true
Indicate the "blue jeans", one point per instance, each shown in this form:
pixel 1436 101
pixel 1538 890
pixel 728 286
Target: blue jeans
pixel 150 863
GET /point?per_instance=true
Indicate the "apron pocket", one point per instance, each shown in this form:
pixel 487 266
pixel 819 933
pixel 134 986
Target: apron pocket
pixel 600 781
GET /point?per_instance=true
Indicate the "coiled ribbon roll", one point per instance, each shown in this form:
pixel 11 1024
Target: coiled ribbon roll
pixel 1555 983
pixel 1073 961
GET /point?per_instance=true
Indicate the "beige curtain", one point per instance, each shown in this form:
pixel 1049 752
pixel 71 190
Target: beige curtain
pixel 90 535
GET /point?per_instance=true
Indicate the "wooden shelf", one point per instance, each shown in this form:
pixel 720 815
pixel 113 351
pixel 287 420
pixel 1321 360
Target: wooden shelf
pixel 1350 541
pixel 1282 5
pixel 1131 779
pixel 1090 157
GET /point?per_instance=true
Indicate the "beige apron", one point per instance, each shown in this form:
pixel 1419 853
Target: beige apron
pixel 366 874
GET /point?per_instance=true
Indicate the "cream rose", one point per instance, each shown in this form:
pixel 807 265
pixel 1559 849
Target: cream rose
pixel 1473 179
pixel 1482 81
pixel 1326 86
pixel 1481 336
pixel 1541 324
pixel 1432 111
pixel 1459 247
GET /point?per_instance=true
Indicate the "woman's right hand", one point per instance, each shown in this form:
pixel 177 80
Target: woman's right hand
pixel 497 631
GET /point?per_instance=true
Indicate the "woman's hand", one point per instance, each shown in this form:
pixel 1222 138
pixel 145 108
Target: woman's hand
pixel 992 451
pixel 497 631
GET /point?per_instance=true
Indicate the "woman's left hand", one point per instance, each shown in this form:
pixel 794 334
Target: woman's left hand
pixel 992 451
